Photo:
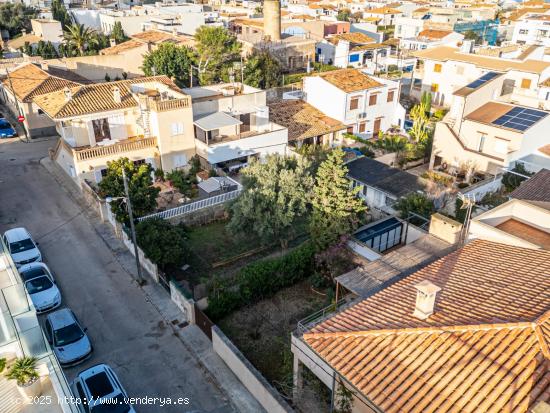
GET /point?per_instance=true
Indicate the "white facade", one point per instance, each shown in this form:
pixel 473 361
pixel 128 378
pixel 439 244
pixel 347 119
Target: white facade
pixel 534 30
pixel 422 43
pixel 366 118
pixel 408 27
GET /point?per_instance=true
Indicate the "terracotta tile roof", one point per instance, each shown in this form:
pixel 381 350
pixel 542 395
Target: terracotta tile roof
pixel 434 34
pixel 122 47
pixel 536 188
pixel 21 40
pixel 445 53
pixel 355 37
pixel 527 232
pixel 545 149
pixel 383 10
pixel 349 80
pixel 302 120
pixel 95 98
pixel 485 348
pixel 148 36
pixel 29 80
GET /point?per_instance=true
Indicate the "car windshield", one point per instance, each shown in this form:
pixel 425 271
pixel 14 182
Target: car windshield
pixel 38 284
pixel 4 125
pixel 112 405
pixel 32 273
pixel 67 335
pixel 20 246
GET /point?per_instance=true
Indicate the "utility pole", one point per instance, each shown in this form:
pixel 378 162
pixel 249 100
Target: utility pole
pixel 17 105
pixel 140 279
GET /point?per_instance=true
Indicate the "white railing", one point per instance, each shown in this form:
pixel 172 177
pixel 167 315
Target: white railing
pixel 195 206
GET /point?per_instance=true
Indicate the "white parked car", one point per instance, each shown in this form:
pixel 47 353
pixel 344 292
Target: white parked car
pixel 67 337
pixel 22 248
pixel 41 287
pixel 100 391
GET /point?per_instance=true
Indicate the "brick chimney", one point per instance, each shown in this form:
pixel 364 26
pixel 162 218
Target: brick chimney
pixel 116 94
pixel 426 293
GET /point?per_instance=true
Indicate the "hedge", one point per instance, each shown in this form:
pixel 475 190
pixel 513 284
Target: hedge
pixel 261 280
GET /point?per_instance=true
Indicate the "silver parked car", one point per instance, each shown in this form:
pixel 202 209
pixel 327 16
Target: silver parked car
pixel 67 337
pixel 41 286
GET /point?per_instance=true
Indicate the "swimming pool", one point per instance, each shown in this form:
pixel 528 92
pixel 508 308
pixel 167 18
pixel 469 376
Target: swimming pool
pixel 381 235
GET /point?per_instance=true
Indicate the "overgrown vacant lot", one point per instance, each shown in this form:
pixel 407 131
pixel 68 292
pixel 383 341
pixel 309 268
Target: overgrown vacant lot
pixel 262 331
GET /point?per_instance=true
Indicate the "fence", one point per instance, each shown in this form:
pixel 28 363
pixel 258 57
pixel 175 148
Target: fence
pixel 146 264
pixel 256 384
pixel 195 206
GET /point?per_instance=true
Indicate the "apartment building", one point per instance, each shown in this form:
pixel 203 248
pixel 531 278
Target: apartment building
pixel 443 70
pixel 29 80
pixel 367 105
pixel 471 322
pixel 485 131
pixel 384 16
pixel 232 123
pixel 532 29
pixel 146 119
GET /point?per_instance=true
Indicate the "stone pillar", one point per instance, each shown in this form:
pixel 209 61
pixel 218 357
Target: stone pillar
pixel 272 19
pixel 297 378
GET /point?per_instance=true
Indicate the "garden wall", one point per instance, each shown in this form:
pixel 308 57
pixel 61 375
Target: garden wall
pixel 186 304
pixel 94 200
pixel 251 378
pixel 202 216
pixel 146 264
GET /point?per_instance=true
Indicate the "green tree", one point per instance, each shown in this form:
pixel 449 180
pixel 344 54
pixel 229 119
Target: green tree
pixel 415 203
pixel 118 33
pixel 512 180
pixel 170 60
pixel 46 50
pixel 14 17
pixel 262 70
pixel 60 13
pixel 80 38
pixel 142 194
pixel 471 35
pixel 217 49
pixel 336 207
pixel 344 15
pixel 274 197
pixel 163 243
pixel 393 143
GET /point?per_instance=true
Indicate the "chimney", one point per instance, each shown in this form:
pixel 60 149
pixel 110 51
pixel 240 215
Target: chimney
pixel 116 94
pixel 272 19
pixel 112 42
pixel 68 94
pixel 426 293
pixel 44 66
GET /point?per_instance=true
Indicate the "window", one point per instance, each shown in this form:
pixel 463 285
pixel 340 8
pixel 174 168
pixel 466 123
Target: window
pixel 525 83
pixel 362 127
pixel 354 103
pixel 177 128
pixel 40 112
pixel 501 146
pixel 372 100
pixel 353 58
pixel 180 160
pixel 435 87
pixel 139 162
pixel 482 137
pixel 349 129
pixel 437 68
pixel 391 94
pixel 523 31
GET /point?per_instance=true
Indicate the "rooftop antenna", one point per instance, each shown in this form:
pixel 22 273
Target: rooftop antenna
pixel 468 203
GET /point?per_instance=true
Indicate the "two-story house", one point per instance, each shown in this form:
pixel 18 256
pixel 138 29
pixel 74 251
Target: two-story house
pixel 532 29
pixel 483 131
pixel 231 123
pixel 367 105
pixel 146 119
pixel 443 70
pixel 30 80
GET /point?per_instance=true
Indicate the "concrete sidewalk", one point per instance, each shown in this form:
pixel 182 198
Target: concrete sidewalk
pixel 191 336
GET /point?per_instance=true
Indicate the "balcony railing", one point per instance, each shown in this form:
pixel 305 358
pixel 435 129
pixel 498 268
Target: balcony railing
pixel 165 105
pixel 114 149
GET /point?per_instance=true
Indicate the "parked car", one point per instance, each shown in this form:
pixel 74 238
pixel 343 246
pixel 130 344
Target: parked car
pixel 67 337
pixel 99 390
pixel 22 248
pixel 6 130
pixel 41 287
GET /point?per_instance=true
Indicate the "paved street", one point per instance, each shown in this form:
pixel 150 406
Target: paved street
pixel 126 330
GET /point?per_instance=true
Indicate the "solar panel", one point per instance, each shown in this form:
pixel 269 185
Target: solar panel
pixel 520 119
pixel 482 80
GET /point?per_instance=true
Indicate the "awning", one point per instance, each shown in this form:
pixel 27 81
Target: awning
pixel 215 121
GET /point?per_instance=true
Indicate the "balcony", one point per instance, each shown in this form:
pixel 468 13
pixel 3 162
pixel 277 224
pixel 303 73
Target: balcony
pixel 102 151
pixel 171 104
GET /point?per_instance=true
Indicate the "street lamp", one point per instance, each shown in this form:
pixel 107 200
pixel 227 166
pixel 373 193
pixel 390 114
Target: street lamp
pixel 140 280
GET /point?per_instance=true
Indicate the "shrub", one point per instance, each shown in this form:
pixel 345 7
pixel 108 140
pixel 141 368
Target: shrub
pixel 163 243
pixel 415 203
pixel 511 181
pixel 261 280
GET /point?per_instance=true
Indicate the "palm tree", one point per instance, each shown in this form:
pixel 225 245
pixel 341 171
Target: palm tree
pixel 80 37
pixel 393 143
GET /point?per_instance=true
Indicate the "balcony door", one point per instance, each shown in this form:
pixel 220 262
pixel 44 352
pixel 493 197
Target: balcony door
pixel 102 131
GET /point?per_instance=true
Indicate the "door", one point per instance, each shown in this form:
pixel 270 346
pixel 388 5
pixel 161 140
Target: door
pixel 101 130
pixel 245 119
pixel 376 128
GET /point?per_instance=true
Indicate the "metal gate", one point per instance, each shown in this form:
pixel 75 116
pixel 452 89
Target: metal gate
pixel 203 322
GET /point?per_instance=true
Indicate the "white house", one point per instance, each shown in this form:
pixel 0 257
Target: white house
pixel 365 104
pixel 533 29
pixel 427 39
pixel 385 16
pixel 232 124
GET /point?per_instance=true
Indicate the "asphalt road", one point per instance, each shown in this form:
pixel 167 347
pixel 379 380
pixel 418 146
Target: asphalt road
pixel 127 332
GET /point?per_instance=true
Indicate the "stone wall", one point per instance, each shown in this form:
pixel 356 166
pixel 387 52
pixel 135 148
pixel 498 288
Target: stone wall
pixel 185 304
pixel 202 217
